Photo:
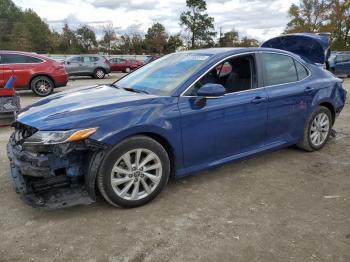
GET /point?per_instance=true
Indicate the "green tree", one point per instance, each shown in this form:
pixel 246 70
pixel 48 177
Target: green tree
pixel 137 44
pixel 86 37
pixel 308 16
pixel 198 24
pixel 69 43
pixel 339 25
pixel 248 42
pixel 156 38
pixel 229 39
pixel 108 39
pixel 38 31
pixel 174 42
pixel 9 14
pixel 20 38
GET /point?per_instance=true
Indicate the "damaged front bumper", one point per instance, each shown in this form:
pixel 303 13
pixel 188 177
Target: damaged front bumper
pixel 55 176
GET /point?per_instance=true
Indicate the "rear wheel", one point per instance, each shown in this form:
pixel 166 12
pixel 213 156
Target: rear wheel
pixel 127 70
pixel 42 86
pixel 317 130
pixel 134 172
pixel 99 73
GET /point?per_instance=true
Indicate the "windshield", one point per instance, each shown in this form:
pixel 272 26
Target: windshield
pixel 164 75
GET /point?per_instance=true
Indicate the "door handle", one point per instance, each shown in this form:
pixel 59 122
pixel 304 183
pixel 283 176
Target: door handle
pixel 309 89
pixel 258 100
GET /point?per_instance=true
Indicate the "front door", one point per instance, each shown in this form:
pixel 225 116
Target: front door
pixel 225 126
pixel 74 65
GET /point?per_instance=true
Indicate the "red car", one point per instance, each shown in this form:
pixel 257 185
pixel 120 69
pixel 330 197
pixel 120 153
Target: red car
pixel 126 66
pixel 38 73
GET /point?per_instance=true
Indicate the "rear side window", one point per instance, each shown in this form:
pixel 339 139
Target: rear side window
pixel 278 69
pixel 301 70
pixel 89 59
pixel 75 59
pixel 343 58
pixel 19 59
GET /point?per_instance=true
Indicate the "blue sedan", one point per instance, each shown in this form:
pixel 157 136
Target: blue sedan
pixel 180 114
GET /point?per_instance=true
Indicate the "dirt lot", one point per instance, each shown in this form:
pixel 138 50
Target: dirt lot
pixel 282 206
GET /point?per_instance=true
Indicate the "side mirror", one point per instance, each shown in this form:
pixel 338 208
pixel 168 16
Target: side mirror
pixel 67 62
pixel 211 90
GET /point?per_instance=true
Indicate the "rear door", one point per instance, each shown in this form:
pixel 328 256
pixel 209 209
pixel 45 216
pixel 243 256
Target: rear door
pixel 290 94
pixel 88 64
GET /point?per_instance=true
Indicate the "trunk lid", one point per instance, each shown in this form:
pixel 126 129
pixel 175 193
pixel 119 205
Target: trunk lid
pixel 313 47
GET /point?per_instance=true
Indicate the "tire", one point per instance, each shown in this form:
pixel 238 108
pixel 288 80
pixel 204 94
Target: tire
pixel 42 86
pixel 99 73
pixel 309 141
pixel 127 70
pixel 129 180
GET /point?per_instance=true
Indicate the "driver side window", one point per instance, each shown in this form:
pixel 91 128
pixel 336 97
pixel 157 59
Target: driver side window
pixel 235 75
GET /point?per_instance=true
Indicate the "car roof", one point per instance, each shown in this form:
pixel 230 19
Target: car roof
pixel 43 57
pixel 226 51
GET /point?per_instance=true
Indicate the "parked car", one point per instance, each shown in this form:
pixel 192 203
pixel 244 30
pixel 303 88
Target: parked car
pixel 88 65
pixel 177 115
pixel 124 65
pixel 339 63
pixel 35 72
pixel 151 58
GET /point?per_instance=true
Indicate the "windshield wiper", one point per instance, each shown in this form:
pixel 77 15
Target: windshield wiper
pixel 135 90
pixel 130 89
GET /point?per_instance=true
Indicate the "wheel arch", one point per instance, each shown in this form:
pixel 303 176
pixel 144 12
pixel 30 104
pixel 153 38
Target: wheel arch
pixel 96 158
pixel 166 145
pixel 41 74
pixel 100 67
pixel 331 108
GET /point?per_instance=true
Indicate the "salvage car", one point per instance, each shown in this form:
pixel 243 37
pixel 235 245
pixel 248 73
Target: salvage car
pixel 177 115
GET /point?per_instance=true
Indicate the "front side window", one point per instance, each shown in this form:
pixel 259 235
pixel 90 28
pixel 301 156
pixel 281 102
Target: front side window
pixel 19 59
pixel 235 75
pixel 164 75
pixel 75 59
pixel 278 69
pixel 343 58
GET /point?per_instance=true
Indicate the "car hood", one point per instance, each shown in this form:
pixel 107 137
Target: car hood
pixel 82 108
pixel 313 47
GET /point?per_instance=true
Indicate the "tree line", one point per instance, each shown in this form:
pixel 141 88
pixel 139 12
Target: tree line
pixel 25 30
pixel 322 16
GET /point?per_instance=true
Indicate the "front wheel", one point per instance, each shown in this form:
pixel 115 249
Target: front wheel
pixel 134 172
pixel 317 130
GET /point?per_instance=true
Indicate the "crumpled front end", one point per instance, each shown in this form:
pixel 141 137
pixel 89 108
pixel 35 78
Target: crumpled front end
pixel 51 176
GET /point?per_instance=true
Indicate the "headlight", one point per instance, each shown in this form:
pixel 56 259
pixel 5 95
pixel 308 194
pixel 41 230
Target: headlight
pixel 59 137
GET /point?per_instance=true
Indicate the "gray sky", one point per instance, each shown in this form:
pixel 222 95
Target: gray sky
pixel 254 18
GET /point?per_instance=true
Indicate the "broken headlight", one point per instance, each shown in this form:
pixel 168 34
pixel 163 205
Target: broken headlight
pixel 59 137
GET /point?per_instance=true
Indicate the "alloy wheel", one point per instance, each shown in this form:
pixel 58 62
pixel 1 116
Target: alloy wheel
pixel 42 86
pixel 136 174
pixel 319 130
pixel 100 74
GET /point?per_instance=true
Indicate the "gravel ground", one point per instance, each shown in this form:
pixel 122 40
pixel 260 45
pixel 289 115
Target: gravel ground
pixel 287 205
